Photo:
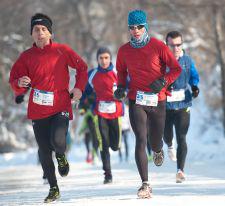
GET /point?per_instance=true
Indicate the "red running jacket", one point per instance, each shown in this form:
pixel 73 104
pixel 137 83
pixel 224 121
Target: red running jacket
pixel 104 83
pixel 145 65
pixel 48 69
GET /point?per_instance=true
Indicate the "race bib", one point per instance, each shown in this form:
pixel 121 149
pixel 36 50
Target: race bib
pixel 176 96
pixel 146 99
pixel 107 107
pixel 43 98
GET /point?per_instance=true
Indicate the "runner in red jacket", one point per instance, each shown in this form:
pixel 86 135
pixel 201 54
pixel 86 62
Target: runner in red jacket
pixel 45 68
pixel 103 81
pixel 144 60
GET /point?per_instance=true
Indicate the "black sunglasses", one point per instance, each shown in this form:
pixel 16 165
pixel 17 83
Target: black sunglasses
pixel 174 45
pixel 136 27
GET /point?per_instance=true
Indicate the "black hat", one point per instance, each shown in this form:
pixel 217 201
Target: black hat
pixel 103 50
pixel 41 19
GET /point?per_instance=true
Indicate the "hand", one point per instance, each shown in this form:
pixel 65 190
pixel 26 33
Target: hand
pixel 119 93
pixel 195 91
pixel 75 94
pixel 24 81
pixel 19 99
pixel 157 85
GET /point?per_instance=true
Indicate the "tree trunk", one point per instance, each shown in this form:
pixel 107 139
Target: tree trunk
pixel 217 22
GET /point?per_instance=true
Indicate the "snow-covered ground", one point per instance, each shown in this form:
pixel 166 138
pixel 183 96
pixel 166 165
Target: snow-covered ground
pixel 21 182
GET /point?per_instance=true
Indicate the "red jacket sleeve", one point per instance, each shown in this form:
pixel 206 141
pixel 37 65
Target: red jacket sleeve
pixel 121 69
pixel 18 70
pixel 171 62
pixel 76 62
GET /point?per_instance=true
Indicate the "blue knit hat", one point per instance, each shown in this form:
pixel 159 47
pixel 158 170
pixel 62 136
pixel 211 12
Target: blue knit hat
pixel 137 17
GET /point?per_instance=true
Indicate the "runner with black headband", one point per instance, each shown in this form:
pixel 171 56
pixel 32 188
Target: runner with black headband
pixel 45 68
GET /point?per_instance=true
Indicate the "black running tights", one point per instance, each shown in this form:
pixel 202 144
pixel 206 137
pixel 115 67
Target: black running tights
pixel 50 134
pixel 146 120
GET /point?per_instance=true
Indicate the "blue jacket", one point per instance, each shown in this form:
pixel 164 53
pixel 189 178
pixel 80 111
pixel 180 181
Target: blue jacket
pixel 188 77
pixel 90 100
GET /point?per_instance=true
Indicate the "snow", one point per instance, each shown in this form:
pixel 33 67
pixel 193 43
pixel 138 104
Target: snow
pixel 22 184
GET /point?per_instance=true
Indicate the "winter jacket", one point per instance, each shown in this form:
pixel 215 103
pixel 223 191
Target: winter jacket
pixel 145 65
pixel 48 69
pixel 188 77
pixel 103 82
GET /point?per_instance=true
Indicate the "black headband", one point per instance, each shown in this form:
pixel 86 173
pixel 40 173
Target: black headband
pixel 41 21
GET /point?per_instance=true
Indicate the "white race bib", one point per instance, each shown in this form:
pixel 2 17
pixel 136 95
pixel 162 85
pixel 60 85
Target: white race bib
pixel 107 107
pixel 146 99
pixel 176 96
pixel 43 98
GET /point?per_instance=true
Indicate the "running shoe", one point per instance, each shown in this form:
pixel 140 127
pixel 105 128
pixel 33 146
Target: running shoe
pixel 63 165
pixel 145 191
pixel 180 176
pixel 107 179
pixel 53 194
pixel 158 158
pixel 89 158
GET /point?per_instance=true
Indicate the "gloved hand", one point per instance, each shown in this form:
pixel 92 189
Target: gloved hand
pixel 157 85
pixel 19 99
pixel 119 93
pixel 195 91
pixel 170 87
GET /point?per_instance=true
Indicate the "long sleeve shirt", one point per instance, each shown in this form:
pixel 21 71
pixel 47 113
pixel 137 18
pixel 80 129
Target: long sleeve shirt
pixel 103 83
pixel 145 65
pixel 48 69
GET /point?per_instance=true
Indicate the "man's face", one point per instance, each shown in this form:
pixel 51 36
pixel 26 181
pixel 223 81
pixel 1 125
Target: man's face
pixel 104 60
pixel 175 46
pixel 137 31
pixel 41 35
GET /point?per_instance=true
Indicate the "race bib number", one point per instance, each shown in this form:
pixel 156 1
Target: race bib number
pixel 146 99
pixel 43 98
pixel 176 96
pixel 107 107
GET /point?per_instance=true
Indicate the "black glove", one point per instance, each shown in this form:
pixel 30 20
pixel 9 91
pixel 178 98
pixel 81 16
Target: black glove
pixel 195 91
pixel 19 99
pixel 157 85
pixel 71 95
pixel 119 93
pixel 170 87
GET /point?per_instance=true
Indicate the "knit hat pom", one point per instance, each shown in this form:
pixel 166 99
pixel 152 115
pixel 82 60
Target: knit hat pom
pixel 137 17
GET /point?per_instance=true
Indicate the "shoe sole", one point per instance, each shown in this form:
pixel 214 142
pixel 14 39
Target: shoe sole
pixel 159 163
pixel 179 180
pixel 106 183
pixel 52 200
pixel 64 175
pixel 144 196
